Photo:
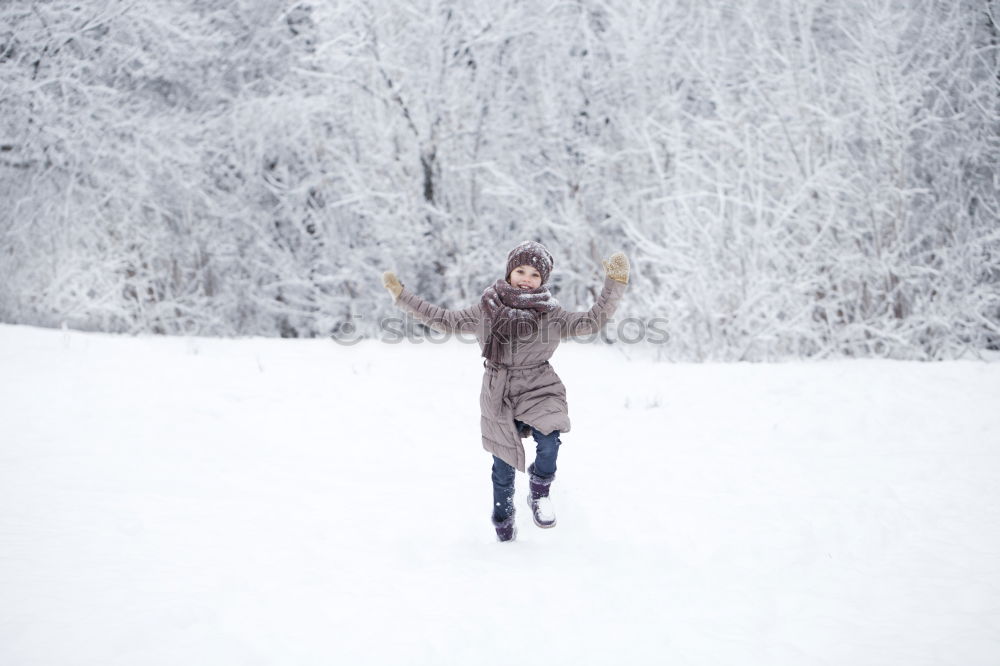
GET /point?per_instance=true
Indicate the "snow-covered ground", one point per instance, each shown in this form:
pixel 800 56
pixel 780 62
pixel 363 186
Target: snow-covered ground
pixel 194 501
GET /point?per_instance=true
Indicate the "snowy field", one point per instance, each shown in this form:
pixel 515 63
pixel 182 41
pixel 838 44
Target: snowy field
pixel 196 501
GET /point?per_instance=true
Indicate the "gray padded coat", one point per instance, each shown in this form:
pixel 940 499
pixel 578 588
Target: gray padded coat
pixel 524 386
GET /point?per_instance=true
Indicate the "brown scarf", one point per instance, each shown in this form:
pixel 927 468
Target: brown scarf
pixel 512 313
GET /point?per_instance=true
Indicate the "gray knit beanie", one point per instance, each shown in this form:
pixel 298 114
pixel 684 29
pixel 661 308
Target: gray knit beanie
pixel 530 253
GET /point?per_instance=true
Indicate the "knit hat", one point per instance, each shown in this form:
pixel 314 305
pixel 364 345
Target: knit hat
pixel 530 253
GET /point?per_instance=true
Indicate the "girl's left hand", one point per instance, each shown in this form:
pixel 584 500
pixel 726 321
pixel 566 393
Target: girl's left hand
pixel 616 267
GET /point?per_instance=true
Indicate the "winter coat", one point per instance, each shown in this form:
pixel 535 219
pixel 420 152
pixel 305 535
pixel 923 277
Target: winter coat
pixel 524 386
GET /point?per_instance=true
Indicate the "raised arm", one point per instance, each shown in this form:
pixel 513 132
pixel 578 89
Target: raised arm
pixel 440 319
pixel 587 323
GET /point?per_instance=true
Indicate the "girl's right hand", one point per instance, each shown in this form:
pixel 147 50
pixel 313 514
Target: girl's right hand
pixel 391 282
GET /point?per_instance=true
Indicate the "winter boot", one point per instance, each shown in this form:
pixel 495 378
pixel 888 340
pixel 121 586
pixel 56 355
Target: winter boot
pixel 506 528
pixel 538 499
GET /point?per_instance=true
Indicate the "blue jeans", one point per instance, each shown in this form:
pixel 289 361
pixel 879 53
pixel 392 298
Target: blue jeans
pixel 546 452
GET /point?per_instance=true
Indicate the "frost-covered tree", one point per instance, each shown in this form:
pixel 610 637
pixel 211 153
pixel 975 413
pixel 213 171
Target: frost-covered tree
pixel 791 177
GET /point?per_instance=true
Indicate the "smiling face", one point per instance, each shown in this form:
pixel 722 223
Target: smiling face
pixel 525 277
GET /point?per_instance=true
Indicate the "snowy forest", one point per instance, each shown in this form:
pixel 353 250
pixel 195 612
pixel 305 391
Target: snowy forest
pixel 789 178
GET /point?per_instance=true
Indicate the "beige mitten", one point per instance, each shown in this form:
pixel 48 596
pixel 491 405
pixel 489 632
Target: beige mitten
pixel 616 267
pixel 390 282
